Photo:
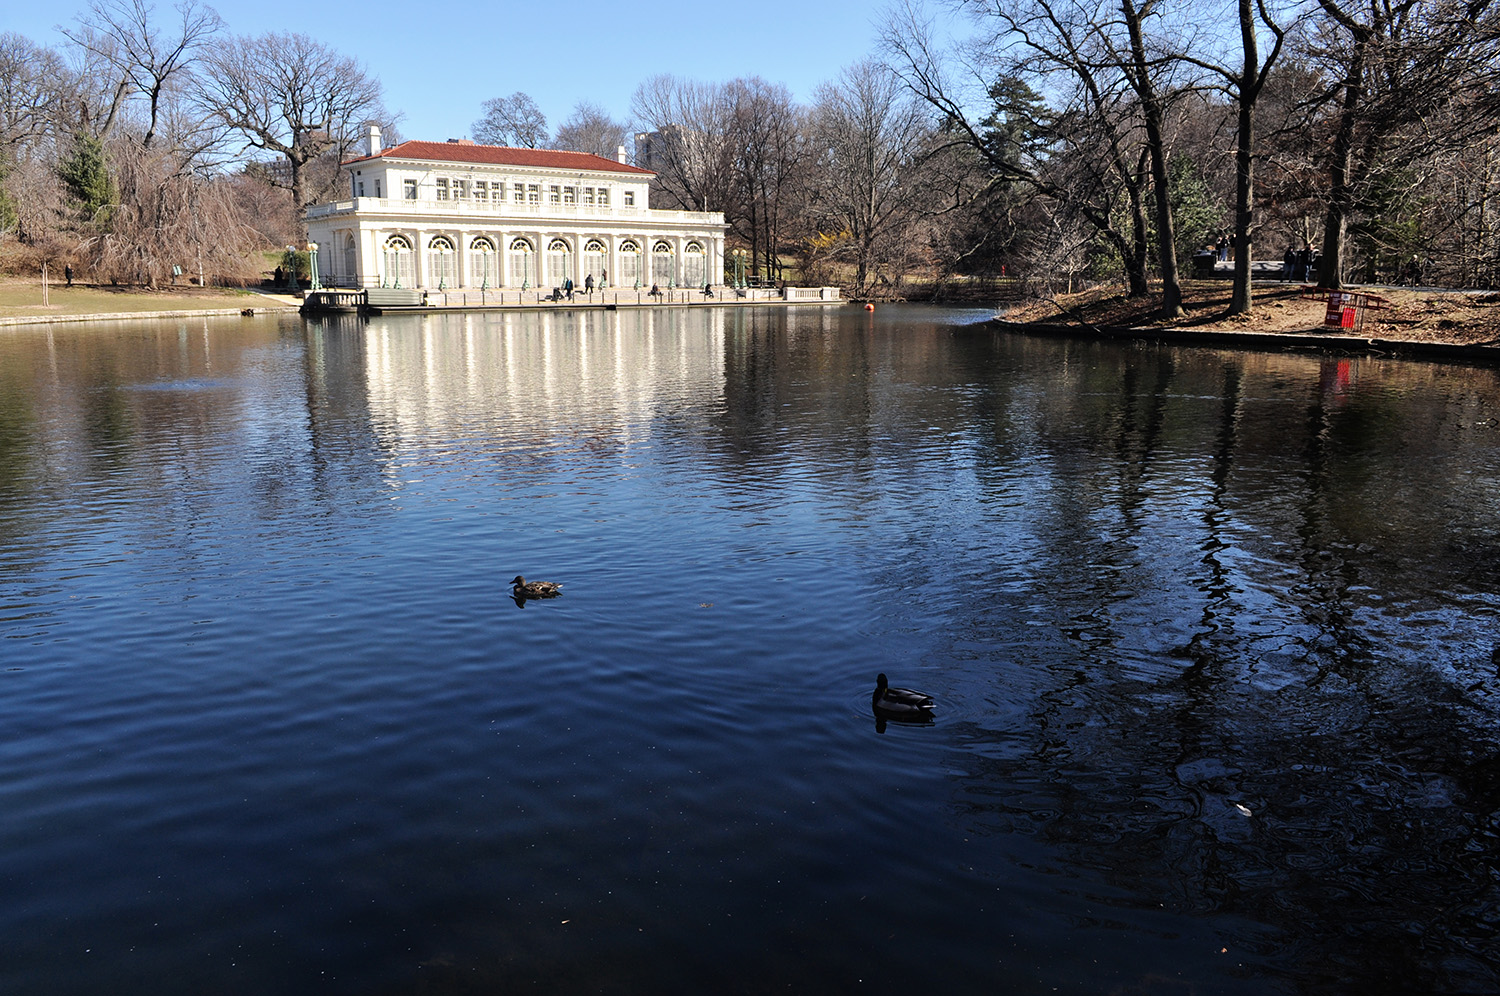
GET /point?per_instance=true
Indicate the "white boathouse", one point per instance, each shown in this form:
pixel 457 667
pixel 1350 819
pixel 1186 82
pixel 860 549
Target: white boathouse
pixel 453 215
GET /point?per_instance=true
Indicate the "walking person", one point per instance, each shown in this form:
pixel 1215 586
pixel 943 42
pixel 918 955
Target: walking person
pixel 68 273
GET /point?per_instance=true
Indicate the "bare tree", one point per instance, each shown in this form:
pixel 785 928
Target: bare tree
pixel 123 34
pixel 97 90
pixel 290 95
pixel 1395 70
pixel 1086 154
pixel 1244 74
pixel 175 214
pixel 513 120
pixel 871 142
pixel 1142 69
pixel 32 88
pixel 688 143
pixel 590 129
pixel 768 132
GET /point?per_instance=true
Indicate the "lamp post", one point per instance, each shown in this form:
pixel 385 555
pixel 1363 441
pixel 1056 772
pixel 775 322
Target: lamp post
pixel 739 269
pixel 312 267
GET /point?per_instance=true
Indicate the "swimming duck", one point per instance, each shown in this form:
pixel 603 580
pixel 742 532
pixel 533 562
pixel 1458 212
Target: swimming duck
pixel 900 703
pixel 521 588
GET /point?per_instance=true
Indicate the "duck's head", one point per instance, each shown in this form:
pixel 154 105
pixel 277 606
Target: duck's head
pixel 881 684
pixel 518 580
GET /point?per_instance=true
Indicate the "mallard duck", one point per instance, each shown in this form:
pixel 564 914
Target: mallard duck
pixel 900 703
pixel 522 588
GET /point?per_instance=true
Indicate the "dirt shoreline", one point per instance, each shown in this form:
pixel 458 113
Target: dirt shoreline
pixel 1402 322
pixel 1311 340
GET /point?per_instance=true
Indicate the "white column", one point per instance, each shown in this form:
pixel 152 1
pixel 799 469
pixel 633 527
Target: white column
pixel 367 249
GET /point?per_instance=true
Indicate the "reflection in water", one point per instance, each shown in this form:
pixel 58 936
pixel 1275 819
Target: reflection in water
pixel 1214 636
pixel 517 383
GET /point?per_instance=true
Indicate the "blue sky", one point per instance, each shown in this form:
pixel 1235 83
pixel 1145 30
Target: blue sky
pixel 439 60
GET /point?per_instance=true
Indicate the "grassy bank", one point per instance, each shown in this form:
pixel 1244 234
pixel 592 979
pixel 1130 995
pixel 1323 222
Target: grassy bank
pixel 1409 315
pixel 24 298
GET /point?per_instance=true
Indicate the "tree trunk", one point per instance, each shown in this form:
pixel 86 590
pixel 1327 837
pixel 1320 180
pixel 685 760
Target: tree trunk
pixel 1248 88
pixel 1135 259
pixel 1151 114
pixel 1166 236
pixel 299 197
pixel 1340 187
pixel 1244 190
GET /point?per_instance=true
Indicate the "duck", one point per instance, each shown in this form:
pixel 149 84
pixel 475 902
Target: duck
pixel 900 703
pixel 522 588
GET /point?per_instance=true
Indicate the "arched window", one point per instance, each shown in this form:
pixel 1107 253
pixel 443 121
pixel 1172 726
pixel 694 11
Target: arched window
pixel 694 265
pixel 663 264
pixel 351 262
pixel 559 262
pixel 400 263
pixel 522 272
pixel 630 265
pixel 594 261
pixel 483 263
pixel 442 262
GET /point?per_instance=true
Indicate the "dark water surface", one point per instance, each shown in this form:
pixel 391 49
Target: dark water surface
pixel 1213 637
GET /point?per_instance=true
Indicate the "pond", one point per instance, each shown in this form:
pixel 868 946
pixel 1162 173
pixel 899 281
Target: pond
pixel 1213 638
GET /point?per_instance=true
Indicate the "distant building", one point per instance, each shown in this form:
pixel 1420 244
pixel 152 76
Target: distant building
pixel 673 153
pixel 459 215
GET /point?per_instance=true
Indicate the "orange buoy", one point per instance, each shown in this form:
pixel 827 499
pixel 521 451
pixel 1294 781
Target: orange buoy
pixel 869 307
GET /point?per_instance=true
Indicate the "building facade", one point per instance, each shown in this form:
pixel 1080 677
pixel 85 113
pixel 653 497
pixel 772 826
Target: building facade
pixel 446 215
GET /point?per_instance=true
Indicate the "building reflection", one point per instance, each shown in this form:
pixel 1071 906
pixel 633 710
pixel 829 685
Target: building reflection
pixel 532 380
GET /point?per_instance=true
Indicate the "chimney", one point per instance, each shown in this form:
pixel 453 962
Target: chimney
pixel 374 139
pixel 619 153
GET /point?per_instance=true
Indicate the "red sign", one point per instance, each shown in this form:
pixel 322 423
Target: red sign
pixel 1345 308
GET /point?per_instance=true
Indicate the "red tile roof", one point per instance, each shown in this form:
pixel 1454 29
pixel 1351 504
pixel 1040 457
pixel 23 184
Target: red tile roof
pixel 500 155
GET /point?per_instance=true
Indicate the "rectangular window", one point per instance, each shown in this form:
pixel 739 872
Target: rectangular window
pixel 410 187
pixel 481 190
pixel 588 195
pixel 361 191
pixel 604 197
pixel 442 190
pixel 377 187
pixel 554 194
pixel 570 195
pixel 461 189
pixel 630 198
pixel 533 193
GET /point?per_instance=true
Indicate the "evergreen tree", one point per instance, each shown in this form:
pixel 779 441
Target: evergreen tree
pixel 8 215
pixel 1196 210
pixel 86 173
